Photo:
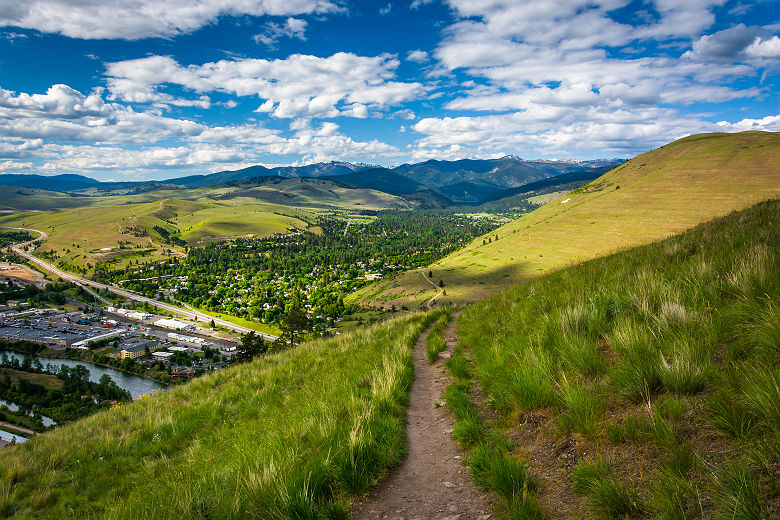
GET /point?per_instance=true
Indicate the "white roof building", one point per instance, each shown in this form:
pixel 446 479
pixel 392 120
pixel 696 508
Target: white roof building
pixel 171 324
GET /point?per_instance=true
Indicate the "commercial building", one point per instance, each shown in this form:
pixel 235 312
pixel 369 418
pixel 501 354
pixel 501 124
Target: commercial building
pixel 55 338
pixel 162 356
pixel 133 351
pixel 168 323
pixel 84 343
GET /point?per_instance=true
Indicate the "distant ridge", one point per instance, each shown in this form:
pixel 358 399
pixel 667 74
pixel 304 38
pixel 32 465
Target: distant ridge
pixel 63 182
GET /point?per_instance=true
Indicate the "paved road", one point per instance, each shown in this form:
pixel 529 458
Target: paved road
pixel 188 313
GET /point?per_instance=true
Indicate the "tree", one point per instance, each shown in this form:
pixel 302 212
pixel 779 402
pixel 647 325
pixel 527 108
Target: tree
pixel 294 324
pixel 441 283
pixel 430 274
pixel 252 346
pixel 213 325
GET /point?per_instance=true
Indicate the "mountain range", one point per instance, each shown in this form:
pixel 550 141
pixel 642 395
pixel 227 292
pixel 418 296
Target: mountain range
pixel 433 183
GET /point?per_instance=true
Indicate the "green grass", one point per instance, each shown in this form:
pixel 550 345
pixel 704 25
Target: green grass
pixel 662 192
pixel 663 358
pixel 607 496
pixel 78 236
pixel 254 325
pixel 435 343
pixel 293 435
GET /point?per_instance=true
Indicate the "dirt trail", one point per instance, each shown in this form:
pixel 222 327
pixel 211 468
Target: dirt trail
pixel 429 303
pixel 431 483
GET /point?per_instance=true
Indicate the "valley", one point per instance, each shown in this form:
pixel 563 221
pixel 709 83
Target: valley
pixel 603 321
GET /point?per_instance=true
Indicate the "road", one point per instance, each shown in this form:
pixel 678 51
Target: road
pixel 187 313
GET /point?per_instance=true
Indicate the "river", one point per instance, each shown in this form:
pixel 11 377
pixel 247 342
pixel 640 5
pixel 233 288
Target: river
pixel 136 385
pixel 47 421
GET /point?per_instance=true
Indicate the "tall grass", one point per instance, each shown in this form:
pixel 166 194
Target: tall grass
pixel 289 436
pixel 436 343
pixel 606 495
pixel 684 333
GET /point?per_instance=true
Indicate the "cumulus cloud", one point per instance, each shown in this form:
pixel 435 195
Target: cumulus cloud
pixel 767 124
pixel 552 67
pixel 418 56
pixel 617 132
pixel 726 45
pixel 292 28
pixel 764 48
pixel 138 19
pixel 65 130
pixel 343 84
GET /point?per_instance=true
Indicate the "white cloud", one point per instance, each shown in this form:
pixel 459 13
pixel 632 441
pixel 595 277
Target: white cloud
pixel 64 130
pixel 137 19
pixel 384 11
pixel 768 48
pixel 15 167
pixel 553 68
pixel 583 131
pixel 726 45
pixel 292 28
pixel 418 56
pixel 343 84
pixel 767 124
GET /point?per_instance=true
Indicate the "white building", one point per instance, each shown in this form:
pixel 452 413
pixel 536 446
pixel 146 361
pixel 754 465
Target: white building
pixel 168 323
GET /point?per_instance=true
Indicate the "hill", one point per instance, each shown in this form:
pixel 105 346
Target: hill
pixel 80 238
pixel 641 385
pixel 388 181
pixel 303 192
pixel 653 195
pixel 581 177
pixel 292 435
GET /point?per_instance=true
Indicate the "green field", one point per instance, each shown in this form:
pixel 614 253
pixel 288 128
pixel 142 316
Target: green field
pixel 125 232
pixel 641 385
pixel 650 197
pixel 254 325
pixel 292 435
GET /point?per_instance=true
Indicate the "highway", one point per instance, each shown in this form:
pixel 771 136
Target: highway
pixel 187 313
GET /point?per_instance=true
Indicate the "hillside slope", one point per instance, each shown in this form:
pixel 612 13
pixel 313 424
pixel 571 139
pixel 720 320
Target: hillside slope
pixel 292 435
pixel 654 195
pixel 81 237
pixel 641 385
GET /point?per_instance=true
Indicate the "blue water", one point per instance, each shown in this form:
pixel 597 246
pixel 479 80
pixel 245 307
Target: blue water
pixel 47 421
pixel 134 384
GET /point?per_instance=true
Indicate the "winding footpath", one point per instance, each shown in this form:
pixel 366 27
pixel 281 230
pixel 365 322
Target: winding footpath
pixel 429 303
pixel 432 483
pixel 85 282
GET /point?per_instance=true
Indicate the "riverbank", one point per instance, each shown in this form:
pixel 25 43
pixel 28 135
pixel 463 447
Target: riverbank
pixel 133 383
pixel 84 356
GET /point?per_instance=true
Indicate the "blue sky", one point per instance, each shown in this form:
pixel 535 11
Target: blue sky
pixel 154 89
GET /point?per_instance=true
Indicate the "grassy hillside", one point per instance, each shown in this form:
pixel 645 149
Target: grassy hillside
pixel 128 232
pixel 293 435
pixel 306 193
pixel 641 385
pixel 652 196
